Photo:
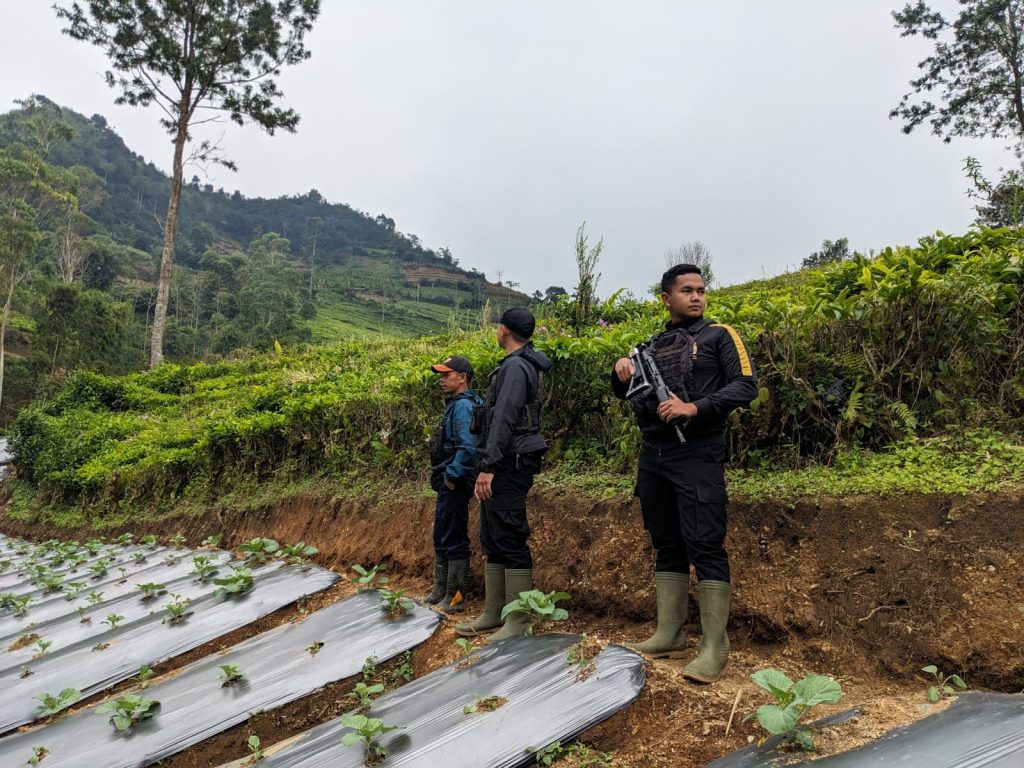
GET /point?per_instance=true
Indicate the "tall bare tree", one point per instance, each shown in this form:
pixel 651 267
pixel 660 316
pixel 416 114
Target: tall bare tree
pixel 585 294
pixel 693 252
pixel 187 56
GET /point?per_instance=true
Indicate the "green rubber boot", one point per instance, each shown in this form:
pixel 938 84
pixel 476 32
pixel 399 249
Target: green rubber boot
pixel 669 639
pixel 494 601
pixel 440 580
pixel 516 623
pixel 714 645
pixel 457 572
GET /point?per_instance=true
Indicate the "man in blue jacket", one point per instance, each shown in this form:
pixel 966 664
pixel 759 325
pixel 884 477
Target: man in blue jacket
pixel 454 469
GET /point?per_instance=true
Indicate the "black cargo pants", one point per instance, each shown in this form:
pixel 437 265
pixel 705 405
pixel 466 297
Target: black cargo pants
pixel 504 529
pixel 682 496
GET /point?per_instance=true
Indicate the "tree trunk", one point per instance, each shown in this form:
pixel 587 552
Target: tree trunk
pixel 3 328
pixel 156 350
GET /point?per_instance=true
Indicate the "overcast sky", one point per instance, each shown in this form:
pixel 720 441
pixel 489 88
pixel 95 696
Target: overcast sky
pixel 760 128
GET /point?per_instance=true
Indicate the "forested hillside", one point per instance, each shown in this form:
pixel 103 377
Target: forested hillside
pixel 899 373
pixel 249 272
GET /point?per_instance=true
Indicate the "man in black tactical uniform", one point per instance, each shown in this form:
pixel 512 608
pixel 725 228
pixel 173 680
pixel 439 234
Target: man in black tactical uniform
pixel 510 453
pixel 453 464
pixel 682 485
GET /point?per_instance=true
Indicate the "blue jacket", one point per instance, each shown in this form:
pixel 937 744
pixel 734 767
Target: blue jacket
pixel 457 458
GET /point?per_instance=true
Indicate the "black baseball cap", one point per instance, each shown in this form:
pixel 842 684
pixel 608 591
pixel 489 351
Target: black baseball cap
pixel 520 321
pixel 454 363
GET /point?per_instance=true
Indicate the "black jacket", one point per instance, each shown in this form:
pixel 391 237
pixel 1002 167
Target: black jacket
pixel 724 379
pixel 512 385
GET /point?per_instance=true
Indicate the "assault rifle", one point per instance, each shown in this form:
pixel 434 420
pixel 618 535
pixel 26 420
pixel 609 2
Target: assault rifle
pixel 647 380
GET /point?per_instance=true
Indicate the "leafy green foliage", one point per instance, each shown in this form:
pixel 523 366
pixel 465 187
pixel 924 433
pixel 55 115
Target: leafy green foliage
pixel 259 551
pixel 51 705
pixel 298 554
pixel 369 578
pixel 484 704
pixel 150 590
pixel 113 619
pixel 255 753
pixel 945 685
pixel 230 674
pixel 792 701
pixel 145 675
pixel 541 606
pixel 363 693
pixel 394 602
pixel 177 609
pixel 366 730
pixel 240 580
pixel 128 710
pixel 466 646
pixel 204 566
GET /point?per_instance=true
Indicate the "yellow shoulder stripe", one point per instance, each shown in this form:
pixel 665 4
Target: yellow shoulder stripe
pixel 741 350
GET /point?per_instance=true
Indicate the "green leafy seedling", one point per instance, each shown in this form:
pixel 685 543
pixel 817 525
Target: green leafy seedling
pixel 81 609
pixel 403 669
pixel 38 753
pixel 238 582
pixel 394 602
pixel 540 607
pixel 149 540
pixel 466 647
pixel 259 550
pixel 366 730
pixel 145 675
pixel 314 648
pixel 547 755
pixel 94 597
pixel 177 609
pixel 369 668
pixel 128 710
pixel 125 539
pixel 19 605
pixel 230 674
pixel 150 590
pixel 51 705
pixel 485 704
pixel 41 645
pixel 113 619
pixel 369 578
pixel 946 685
pixel 298 554
pixel 792 701
pixel 72 588
pixel 171 560
pixel 255 753
pixel 25 670
pixel 363 693
pixel 139 557
pixel 176 540
pixel 211 541
pixel 204 566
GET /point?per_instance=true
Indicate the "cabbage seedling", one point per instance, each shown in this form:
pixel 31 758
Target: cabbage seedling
pixel 128 710
pixel 51 705
pixel 113 619
pixel 72 588
pixel 148 540
pixel 466 647
pixel 792 700
pixel 230 674
pixel 365 579
pixel 38 753
pixel 25 670
pixel 298 554
pixel 94 597
pixel 364 693
pixel 150 590
pixel 239 581
pixel 144 676
pixel 19 605
pixel 211 541
pixel 81 614
pixel 138 558
pixel 177 609
pixel 204 566
pixel 171 560
pixel 255 753
pixel 541 607
pixel 394 603
pixel 176 540
pixel 125 539
pixel 41 646
pixel 366 730
pixel 259 550
pixel 945 685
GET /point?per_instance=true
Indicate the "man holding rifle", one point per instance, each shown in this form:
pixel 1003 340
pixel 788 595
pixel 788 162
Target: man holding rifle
pixel 683 385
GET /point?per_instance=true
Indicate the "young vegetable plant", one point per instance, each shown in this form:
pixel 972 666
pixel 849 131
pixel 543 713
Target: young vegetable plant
pixel 177 609
pixel 171 560
pixel 145 675
pixel 298 554
pixel 238 582
pixel 38 753
pixel 25 670
pixel 113 619
pixel 149 540
pixel 51 705
pixel 363 693
pixel 547 755
pixel 41 645
pixel 792 700
pixel 259 551
pixel 539 606
pixel 99 568
pixel 176 540
pixel 255 753
pixel 486 704
pixel 466 647
pixel 81 614
pixel 72 588
pixel 204 566
pixel 150 590
pixel 138 558
pixel 128 710
pixel 19 605
pixel 367 730
pixel 230 674
pixel 394 602
pixel 211 541
pixel 947 685
pixel 51 584
pixel 125 539
pixel 404 669
pixel 368 579
pixel 369 668
pixel 94 597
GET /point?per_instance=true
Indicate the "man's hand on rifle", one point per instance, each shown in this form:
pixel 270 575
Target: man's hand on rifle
pixel 624 369
pixel 674 408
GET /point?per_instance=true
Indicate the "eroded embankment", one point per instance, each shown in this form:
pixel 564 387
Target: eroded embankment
pixel 898 582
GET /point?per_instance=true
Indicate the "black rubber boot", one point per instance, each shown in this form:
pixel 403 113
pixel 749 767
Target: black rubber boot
pixel 440 580
pixel 714 645
pixel 668 640
pixel 457 572
pixel 494 601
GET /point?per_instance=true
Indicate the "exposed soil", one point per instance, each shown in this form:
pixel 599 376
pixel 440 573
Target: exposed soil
pixel 866 590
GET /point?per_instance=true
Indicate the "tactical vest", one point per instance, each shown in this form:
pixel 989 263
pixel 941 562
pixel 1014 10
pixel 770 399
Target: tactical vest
pixel 674 353
pixel 529 418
